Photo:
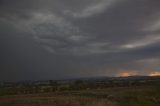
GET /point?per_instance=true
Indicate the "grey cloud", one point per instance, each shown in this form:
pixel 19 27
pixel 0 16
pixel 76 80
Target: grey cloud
pixel 59 38
pixel 97 7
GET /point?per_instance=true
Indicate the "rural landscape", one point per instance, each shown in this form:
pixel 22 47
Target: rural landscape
pixel 100 91
pixel 79 52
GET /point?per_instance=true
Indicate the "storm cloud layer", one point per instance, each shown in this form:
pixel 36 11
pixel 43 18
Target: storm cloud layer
pixel 54 39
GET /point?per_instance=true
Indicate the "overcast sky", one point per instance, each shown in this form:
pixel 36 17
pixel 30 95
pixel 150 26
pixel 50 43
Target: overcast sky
pixel 57 39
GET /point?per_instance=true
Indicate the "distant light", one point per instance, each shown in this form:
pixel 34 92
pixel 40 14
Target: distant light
pixel 154 74
pixel 127 74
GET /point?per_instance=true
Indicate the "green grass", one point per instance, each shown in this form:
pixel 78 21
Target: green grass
pixel 5 91
pixel 145 97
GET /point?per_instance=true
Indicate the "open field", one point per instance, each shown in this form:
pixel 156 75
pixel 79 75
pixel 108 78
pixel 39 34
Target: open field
pixel 58 100
pixel 85 93
pixel 137 96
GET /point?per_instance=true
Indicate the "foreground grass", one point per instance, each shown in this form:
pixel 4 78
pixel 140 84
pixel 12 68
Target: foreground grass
pixel 54 100
pixel 118 96
pixel 143 97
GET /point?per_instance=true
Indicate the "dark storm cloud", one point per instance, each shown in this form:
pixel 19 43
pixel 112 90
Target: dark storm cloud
pixel 54 39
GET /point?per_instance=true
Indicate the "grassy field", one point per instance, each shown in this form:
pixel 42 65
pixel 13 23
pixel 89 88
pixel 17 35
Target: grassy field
pixel 130 91
pixel 54 100
pixel 116 96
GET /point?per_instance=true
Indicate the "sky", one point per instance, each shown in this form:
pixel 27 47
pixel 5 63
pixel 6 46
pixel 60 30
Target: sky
pixel 59 39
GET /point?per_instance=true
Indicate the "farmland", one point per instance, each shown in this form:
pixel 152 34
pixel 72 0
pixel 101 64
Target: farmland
pixel 131 91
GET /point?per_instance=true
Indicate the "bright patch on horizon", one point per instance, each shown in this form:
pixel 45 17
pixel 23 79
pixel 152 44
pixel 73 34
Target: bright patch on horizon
pixel 127 74
pixel 154 74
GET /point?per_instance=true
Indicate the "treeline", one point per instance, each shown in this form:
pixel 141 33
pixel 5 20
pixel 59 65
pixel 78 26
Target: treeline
pixel 56 86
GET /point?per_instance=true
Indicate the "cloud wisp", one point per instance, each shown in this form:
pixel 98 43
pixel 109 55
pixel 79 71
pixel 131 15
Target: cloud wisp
pixel 97 7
